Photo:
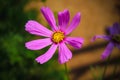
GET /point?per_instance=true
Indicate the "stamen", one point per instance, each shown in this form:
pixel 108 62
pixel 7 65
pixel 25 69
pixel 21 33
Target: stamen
pixel 58 36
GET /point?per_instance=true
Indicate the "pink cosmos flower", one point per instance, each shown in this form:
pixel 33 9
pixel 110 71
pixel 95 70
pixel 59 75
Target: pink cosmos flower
pixel 113 38
pixel 56 38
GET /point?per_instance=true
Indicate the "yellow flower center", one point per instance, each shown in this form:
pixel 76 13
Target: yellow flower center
pixel 58 36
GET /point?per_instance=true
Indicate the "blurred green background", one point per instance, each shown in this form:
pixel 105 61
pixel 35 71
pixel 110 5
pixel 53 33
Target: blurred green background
pixel 16 62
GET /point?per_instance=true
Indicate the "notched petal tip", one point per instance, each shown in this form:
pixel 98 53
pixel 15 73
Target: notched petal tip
pixel 43 8
pixel 38 61
pixel 49 16
pixel 27 45
pixel 38 44
pixel 28 23
pixel 75 22
pixel 66 11
pixel 63 19
pixel 35 28
pixel 76 42
pixel 64 53
pixel 62 62
pixel 47 56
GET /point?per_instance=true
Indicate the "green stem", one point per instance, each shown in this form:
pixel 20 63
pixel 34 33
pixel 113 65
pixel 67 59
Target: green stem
pixel 66 70
pixel 105 68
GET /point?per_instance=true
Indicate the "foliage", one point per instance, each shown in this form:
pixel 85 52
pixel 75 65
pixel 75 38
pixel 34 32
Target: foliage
pixel 17 63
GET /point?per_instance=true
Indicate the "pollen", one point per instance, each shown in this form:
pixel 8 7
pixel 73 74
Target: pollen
pixel 58 37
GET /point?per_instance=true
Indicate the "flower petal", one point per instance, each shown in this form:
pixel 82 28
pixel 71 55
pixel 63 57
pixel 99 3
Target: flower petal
pixel 64 53
pixel 38 44
pixel 74 23
pixel 49 16
pixel 108 50
pixel 34 27
pixel 48 55
pixel 115 29
pixel 63 19
pixel 75 42
pixel 101 37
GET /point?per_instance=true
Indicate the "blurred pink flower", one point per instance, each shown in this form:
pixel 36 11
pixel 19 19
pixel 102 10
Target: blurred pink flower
pixel 113 38
pixel 56 38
